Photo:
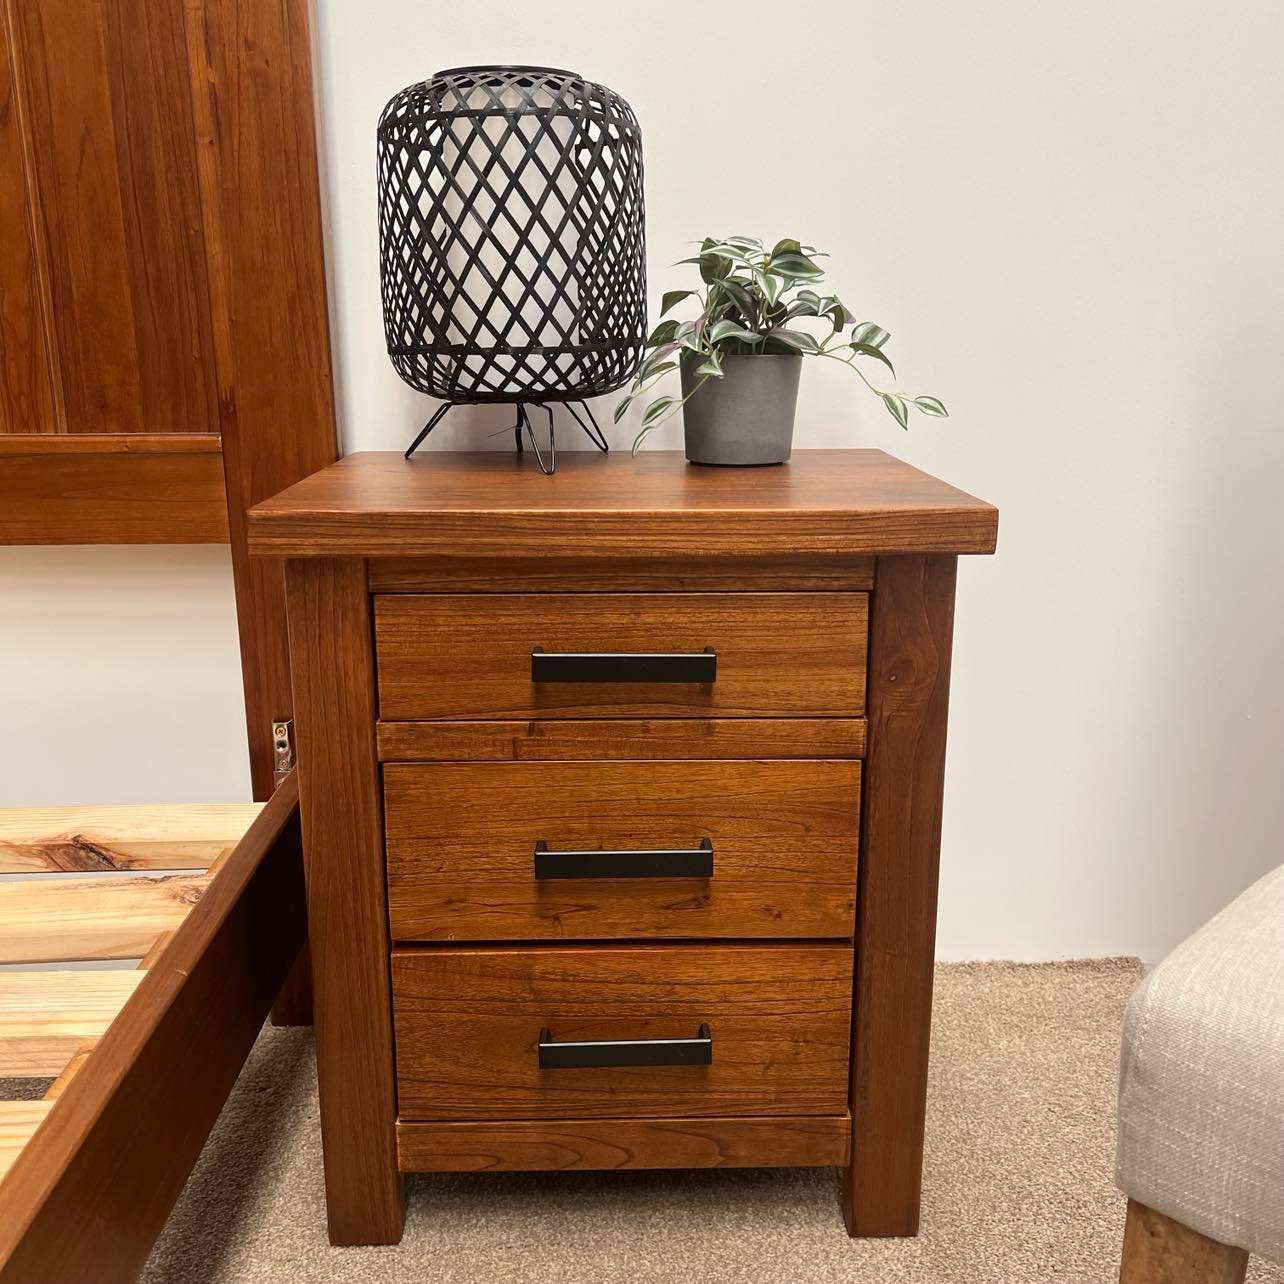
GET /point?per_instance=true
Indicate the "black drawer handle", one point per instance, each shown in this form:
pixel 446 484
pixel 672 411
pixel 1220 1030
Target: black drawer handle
pixel 624 666
pixel 625 1052
pixel 690 862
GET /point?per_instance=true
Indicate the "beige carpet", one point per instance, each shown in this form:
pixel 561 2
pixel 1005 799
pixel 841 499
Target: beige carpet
pixel 1018 1177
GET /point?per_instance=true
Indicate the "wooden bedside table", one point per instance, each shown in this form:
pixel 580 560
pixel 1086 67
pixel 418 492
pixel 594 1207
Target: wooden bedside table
pixel 622 804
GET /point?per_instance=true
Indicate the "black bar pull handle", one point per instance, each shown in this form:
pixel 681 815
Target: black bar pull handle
pixel 681 862
pixel 624 666
pixel 625 1052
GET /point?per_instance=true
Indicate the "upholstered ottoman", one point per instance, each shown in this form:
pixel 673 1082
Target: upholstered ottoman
pixel 1201 1099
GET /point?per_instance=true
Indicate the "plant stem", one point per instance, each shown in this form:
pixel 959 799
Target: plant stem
pixel 668 414
pixel 850 361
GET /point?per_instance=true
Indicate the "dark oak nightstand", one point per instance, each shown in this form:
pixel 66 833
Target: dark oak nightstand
pixel 622 804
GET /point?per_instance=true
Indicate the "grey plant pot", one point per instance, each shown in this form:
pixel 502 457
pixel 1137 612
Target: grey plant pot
pixel 747 416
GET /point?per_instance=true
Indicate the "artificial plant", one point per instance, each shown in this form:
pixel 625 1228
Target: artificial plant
pixel 750 305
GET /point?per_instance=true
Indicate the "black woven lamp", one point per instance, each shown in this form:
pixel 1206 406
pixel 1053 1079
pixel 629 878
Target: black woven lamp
pixel 511 240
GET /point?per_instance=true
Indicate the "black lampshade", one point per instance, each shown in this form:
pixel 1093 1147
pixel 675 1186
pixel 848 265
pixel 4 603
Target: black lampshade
pixel 511 236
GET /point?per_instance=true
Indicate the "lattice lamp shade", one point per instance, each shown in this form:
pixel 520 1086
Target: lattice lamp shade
pixel 511 236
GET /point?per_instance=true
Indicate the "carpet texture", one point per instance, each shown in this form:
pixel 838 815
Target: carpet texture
pixel 1018 1181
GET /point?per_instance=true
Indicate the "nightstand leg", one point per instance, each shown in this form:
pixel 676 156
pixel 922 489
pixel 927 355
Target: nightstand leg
pixel 334 715
pixel 911 623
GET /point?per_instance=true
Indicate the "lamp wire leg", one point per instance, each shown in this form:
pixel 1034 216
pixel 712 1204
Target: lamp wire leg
pixel 437 416
pixel 552 445
pixel 524 428
pixel 523 425
pixel 594 434
pixel 549 468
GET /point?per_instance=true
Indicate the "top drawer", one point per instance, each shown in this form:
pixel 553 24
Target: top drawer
pixel 775 655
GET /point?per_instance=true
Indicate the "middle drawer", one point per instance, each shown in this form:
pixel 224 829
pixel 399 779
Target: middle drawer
pixel 597 850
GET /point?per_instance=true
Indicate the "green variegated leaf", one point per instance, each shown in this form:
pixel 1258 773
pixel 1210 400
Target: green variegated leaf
pixel 665 332
pixel 711 366
pixel 622 409
pixel 771 286
pixel 713 267
pixel 657 358
pixel 795 266
pixel 689 335
pixel 786 247
pixel 672 298
pixel 721 331
pixel 737 291
pixel 743 242
pixel 639 439
pixel 868 332
pixel 805 304
pixel 798 339
pixel 932 406
pixel 832 307
pixel 896 405
pixel 868 350
pixel 728 249
pixel 655 410
pixel 654 371
pixel 799 309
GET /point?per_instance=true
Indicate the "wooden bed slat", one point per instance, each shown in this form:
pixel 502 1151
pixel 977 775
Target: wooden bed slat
pixel 70 1070
pixel 86 839
pixel 86 1200
pixel 155 952
pixel 18 1120
pixel 46 1016
pixel 45 920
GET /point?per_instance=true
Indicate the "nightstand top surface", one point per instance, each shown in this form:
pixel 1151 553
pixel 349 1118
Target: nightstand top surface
pixel 448 503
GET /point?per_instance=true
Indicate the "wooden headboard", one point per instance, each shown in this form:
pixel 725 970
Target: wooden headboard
pixel 164 345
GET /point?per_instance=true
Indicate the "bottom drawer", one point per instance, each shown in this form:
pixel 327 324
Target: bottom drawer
pixel 636 1031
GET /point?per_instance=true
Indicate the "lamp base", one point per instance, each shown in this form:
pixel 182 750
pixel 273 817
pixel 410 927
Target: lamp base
pixel 591 430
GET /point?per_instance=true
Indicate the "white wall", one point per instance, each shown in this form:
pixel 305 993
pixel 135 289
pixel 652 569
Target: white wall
pixel 1068 217
pixel 119 677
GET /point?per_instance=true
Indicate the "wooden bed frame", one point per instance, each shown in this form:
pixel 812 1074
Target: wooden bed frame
pixel 144 1059
pixel 205 305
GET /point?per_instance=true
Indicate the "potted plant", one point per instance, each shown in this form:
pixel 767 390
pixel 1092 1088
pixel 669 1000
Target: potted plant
pixel 739 360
